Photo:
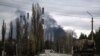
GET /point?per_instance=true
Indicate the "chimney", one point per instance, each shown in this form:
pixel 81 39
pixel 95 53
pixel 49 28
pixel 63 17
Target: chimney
pixel 42 10
pixel 27 15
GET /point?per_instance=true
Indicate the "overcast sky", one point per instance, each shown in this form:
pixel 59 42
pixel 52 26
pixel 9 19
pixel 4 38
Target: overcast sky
pixel 70 14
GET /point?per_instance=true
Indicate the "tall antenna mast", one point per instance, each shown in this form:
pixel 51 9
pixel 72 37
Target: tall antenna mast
pixel 91 23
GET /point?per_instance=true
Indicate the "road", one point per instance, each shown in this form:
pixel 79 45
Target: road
pixel 48 53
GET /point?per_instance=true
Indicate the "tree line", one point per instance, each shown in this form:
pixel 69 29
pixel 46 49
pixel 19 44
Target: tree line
pixel 28 40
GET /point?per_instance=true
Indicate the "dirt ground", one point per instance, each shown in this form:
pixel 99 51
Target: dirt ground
pixel 97 55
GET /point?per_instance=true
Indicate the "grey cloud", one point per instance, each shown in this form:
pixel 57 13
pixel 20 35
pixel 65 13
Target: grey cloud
pixel 72 7
pixel 17 4
pixel 60 7
pixel 78 23
pixel 9 7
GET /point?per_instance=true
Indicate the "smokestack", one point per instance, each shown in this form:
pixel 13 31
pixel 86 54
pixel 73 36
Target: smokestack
pixel 27 15
pixel 42 10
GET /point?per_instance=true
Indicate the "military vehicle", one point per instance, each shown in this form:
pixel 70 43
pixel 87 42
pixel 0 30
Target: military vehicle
pixel 84 47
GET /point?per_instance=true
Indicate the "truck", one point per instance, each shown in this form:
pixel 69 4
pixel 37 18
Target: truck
pixel 84 47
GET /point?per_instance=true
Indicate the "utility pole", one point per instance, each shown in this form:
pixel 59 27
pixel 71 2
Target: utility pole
pixel 91 23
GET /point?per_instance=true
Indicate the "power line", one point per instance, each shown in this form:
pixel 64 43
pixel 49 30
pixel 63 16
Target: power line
pixel 90 14
pixel 13 5
pixel 8 5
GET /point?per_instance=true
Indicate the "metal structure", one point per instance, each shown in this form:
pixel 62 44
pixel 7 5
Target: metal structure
pixel 91 23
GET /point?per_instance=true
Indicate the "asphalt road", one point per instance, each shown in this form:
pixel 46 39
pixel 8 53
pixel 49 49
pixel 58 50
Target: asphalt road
pixel 54 54
pixel 49 53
